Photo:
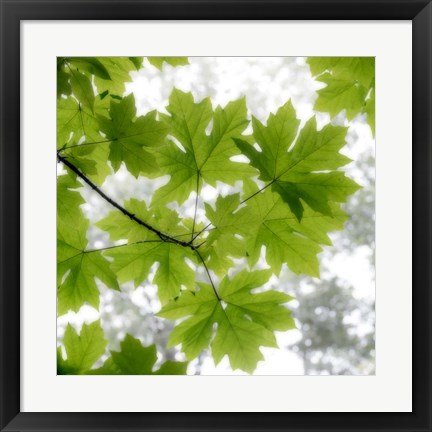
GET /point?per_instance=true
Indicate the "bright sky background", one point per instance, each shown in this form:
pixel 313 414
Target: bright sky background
pixel 267 84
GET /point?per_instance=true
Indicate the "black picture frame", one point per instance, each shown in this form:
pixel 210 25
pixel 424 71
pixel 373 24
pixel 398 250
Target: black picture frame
pixel 12 12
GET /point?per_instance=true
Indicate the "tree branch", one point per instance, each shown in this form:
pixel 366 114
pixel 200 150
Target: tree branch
pixel 164 237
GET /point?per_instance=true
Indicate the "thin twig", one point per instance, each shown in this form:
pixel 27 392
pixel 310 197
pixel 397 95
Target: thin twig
pixel 196 235
pixel 164 237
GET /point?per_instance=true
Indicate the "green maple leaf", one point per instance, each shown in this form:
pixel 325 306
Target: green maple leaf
pixel 285 238
pixel 71 224
pixel 82 350
pixel 134 359
pixel 85 349
pixel 76 267
pixel 266 220
pixel 146 248
pixel 340 95
pixel 82 89
pixel 305 172
pixel 68 201
pixel 350 86
pixel 118 69
pixel 133 262
pixel 76 123
pixel 121 227
pixel 203 157
pixel 242 324
pixel 264 308
pixel 172 61
pixel 82 157
pixel 92 65
pixel 360 69
pixel 130 138
pixel 79 285
pixel 223 242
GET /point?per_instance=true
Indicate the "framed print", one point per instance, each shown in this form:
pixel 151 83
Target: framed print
pixel 215 216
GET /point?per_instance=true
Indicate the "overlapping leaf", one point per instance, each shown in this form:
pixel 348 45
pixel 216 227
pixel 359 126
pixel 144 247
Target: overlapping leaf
pixel 82 351
pixel 340 95
pixel 266 220
pixel 302 170
pixel 135 359
pixel 92 65
pixel 110 74
pixel 85 349
pixel 230 227
pixel 121 227
pixel 82 89
pixel 200 157
pixel 118 69
pixel 130 136
pixel 245 321
pixel 76 267
pixel 133 262
pixel 76 124
pixel 360 69
pixel 350 86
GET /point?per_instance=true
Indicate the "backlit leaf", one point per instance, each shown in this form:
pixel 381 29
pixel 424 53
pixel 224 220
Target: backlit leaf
pixel 200 157
pixel 244 321
pixel 83 350
pixel 135 359
pixel 304 172
pixel 83 89
pixel 130 137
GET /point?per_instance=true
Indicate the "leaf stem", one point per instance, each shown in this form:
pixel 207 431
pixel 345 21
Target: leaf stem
pixel 108 247
pixel 259 191
pixel 86 143
pixel 208 274
pixel 196 235
pixel 196 205
pixel 122 245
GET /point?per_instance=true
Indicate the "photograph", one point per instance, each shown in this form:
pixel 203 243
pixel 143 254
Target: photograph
pixel 215 216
